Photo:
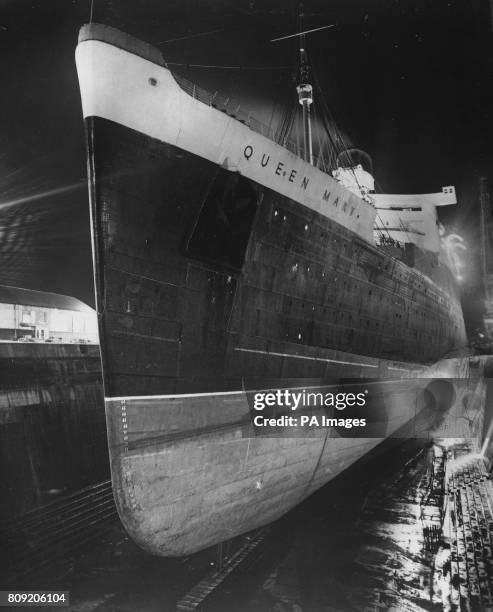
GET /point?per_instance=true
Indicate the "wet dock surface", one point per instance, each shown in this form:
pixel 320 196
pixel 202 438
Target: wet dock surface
pixel 376 538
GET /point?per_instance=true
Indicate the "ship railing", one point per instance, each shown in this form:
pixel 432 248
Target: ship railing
pixel 233 109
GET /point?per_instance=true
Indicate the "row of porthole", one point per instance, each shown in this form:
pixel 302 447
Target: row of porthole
pixel 329 338
pixel 306 226
pixel 416 286
pixel 336 240
pixel 335 314
pixel 301 334
pixel 362 322
pixel 347 285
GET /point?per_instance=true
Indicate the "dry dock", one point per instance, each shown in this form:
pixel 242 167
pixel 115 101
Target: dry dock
pixel 409 527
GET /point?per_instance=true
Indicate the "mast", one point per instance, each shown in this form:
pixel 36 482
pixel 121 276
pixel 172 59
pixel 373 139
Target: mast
pixel 304 87
pixel 305 93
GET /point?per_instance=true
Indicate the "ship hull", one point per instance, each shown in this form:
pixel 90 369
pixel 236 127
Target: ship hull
pixel 211 279
pixel 191 470
pixel 182 310
pixel 179 492
pixel 186 472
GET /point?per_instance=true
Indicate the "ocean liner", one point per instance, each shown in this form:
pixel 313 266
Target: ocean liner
pixel 225 262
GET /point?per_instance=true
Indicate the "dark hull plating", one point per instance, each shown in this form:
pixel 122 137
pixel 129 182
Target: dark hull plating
pixel 208 284
pixel 185 309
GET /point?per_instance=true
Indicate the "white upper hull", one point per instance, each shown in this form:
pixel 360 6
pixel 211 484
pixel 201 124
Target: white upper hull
pixel 117 85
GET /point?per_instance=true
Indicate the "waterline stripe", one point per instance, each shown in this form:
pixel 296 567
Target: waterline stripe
pixel 173 396
pixel 247 391
pixel 355 363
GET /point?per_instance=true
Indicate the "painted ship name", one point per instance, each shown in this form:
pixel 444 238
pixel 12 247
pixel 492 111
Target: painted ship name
pixel 291 175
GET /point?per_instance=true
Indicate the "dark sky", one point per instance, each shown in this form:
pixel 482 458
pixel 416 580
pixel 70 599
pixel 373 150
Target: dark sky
pixel 409 82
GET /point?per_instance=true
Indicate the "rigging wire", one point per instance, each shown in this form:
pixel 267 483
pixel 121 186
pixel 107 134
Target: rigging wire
pixel 337 141
pixel 223 67
pixel 334 134
pixel 379 187
pixel 340 145
pixel 320 153
pixel 334 140
pixel 189 36
pixel 302 33
pixel 273 115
